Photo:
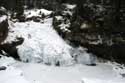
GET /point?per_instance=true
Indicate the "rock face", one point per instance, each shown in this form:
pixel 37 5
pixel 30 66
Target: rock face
pixel 3 26
pixel 9 48
pixel 3 30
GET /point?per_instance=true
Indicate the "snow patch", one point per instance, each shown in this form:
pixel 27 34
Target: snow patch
pixel 102 73
pixel 119 69
pixel 12 75
pixel 95 80
pixel 58 17
pixel 5 61
pixel 36 13
pixel 70 6
pixel 82 57
pixel 3 18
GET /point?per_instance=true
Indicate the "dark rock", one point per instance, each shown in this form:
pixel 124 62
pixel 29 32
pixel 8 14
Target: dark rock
pixel 2 68
pixel 123 75
pixel 22 18
pixel 3 30
pixel 10 48
pixel 91 64
pixel 92 26
pixel 58 63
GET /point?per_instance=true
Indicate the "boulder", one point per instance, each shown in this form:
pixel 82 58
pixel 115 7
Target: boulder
pixel 11 48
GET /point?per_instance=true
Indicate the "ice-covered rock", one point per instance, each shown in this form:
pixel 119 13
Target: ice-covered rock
pixel 41 43
pixel 3 18
pixel 82 57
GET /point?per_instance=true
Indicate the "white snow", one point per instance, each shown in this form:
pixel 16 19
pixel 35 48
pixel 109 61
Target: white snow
pixel 64 27
pixel 36 12
pixel 3 9
pixel 41 43
pixel 90 80
pixel 37 73
pixel 58 17
pixel 69 6
pixel 3 18
pixel 11 74
pixel 20 72
pixel 82 57
pixel 5 61
pixel 69 10
pixel 84 26
pixel 118 68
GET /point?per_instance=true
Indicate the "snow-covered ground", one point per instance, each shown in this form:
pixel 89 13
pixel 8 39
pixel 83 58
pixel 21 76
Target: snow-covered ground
pixel 73 74
pixel 19 72
pixel 11 74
